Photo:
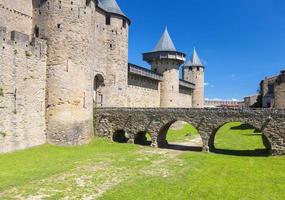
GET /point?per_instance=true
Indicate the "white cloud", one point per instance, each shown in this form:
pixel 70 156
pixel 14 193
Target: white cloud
pixel 206 84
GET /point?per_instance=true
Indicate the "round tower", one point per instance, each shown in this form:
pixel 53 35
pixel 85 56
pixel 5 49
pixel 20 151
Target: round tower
pixel 68 27
pixel 112 40
pixel 166 60
pixel 193 71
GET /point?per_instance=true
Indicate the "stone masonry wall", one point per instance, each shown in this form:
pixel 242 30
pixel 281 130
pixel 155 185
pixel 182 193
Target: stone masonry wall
pixel 184 100
pixel 196 75
pixel 279 95
pixel 22 91
pixel 17 15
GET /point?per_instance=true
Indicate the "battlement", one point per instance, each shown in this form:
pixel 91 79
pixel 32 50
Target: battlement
pixel 20 40
pixel 15 11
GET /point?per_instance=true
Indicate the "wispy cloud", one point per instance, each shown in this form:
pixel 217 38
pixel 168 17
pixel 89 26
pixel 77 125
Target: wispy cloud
pixel 208 85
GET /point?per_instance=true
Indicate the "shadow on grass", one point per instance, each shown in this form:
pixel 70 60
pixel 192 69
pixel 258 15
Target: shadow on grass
pixel 248 153
pixel 179 147
pixel 252 134
pixel 245 127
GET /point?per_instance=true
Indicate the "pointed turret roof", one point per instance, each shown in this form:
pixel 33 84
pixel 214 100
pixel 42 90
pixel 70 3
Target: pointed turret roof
pixel 110 6
pixel 188 64
pixel 165 43
pixel 196 62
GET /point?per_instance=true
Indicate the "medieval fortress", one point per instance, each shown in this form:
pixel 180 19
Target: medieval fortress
pixel 61 58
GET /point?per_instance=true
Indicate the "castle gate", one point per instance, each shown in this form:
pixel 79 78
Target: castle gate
pixel 156 121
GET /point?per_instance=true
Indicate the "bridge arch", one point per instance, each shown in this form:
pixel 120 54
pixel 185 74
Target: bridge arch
pixel 182 135
pixel 141 138
pixel 157 120
pixel 120 136
pixel 243 125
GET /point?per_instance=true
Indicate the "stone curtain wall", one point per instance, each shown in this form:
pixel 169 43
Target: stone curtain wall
pixel 280 95
pixel 17 15
pixel 22 91
pixel 207 121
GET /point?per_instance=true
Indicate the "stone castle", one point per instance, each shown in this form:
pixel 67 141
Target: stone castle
pixel 272 90
pixel 61 58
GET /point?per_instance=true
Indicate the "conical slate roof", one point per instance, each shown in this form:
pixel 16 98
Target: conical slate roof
pixel 188 64
pixel 195 60
pixel 165 43
pixel 110 6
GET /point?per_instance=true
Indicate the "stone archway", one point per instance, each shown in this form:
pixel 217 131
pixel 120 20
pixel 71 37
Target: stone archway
pixel 180 135
pixel 141 138
pixel 246 150
pixel 98 90
pixel 120 136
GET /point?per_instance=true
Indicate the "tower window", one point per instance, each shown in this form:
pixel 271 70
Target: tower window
pixel 124 23
pixel 108 19
pixel 37 31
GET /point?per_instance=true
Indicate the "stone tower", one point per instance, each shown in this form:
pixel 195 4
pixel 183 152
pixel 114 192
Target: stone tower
pixel 111 53
pixel 68 27
pixel 165 60
pixel 193 71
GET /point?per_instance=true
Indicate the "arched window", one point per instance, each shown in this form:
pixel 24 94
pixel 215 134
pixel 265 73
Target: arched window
pixel 98 90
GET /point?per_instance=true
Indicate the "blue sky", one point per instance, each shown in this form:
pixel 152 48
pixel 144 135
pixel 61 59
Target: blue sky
pixel 240 41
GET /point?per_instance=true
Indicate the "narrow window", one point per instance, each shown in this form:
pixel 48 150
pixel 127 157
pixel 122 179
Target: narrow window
pixel 124 23
pixel 37 31
pixel 108 19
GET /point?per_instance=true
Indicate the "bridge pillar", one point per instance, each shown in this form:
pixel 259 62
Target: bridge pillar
pixel 154 142
pixel 205 140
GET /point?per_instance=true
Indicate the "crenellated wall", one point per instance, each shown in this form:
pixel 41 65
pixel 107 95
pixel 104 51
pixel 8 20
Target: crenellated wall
pixel 22 91
pixel 17 15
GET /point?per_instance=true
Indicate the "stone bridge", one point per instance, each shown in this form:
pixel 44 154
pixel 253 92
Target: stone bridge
pixel 136 122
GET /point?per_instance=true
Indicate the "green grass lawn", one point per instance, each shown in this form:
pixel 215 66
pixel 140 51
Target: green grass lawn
pixel 188 132
pixel 111 171
pixel 231 137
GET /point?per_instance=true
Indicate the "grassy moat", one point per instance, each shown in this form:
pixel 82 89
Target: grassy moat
pixel 111 171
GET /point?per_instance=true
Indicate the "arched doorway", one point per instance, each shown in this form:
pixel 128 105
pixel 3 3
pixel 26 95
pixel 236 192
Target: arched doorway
pixel 239 139
pixel 98 90
pixel 179 135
